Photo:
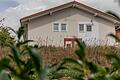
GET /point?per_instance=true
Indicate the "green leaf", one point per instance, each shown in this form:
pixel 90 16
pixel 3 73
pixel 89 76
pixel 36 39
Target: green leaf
pixel 16 54
pixel 4 76
pixel 35 55
pixel 4 63
pixel 72 61
pixel 61 68
pixel 113 14
pixel 5 37
pixel 23 43
pixel 44 73
pixel 20 32
pixel 81 51
pixel 115 60
pixel 92 67
pixel 114 36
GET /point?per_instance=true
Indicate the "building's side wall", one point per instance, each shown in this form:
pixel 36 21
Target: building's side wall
pixel 105 29
pixel 41 29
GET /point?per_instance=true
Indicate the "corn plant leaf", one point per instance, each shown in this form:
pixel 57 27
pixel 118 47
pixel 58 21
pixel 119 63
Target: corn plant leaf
pixel 72 61
pixel 35 56
pixel 11 57
pixel 101 71
pixel 114 36
pixel 115 76
pixel 20 32
pixel 113 14
pixel 23 52
pixel 23 43
pixel 16 55
pixel 44 73
pixel 81 51
pixel 73 73
pixel 53 65
pixel 115 60
pixel 4 76
pixel 28 66
pixel 4 63
pixel 92 67
pixel 61 68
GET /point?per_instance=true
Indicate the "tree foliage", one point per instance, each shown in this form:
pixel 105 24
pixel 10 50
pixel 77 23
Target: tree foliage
pixel 5 37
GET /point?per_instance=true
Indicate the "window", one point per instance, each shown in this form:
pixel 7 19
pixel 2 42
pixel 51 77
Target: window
pixel 116 27
pixel 59 27
pixel 85 27
pixel 56 27
pixel 63 27
pixel 89 27
pixel 69 45
pixel 81 27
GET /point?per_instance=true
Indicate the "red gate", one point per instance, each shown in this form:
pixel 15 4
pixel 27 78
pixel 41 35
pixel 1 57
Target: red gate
pixel 70 42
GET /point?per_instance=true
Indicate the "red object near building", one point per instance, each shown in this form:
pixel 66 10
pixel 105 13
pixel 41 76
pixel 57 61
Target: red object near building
pixel 118 33
pixel 70 42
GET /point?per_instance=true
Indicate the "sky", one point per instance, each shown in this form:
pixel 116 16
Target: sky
pixel 13 10
pixel 5 4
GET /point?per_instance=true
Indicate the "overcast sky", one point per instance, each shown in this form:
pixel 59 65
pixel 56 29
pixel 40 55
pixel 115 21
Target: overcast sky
pixel 13 10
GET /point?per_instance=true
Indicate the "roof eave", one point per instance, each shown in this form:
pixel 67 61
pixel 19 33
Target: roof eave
pixel 46 12
pixel 72 4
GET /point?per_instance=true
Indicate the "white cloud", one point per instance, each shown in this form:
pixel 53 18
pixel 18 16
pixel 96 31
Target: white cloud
pixel 27 7
pixel 13 15
pixel 103 5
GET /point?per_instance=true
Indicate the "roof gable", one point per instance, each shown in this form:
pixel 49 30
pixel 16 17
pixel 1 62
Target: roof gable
pixel 75 4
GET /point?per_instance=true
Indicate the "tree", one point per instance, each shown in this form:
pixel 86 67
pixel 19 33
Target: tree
pixel 5 37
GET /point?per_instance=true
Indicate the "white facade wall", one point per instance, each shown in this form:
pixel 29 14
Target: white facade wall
pixel 41 29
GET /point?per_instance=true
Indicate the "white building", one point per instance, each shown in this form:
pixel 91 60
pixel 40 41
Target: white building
pixel 58 25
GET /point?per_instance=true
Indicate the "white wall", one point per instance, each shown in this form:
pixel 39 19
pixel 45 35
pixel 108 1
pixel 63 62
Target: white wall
pixel 90 37
pixel 41 30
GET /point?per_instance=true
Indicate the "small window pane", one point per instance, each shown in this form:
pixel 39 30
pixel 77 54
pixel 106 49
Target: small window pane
pixel 56 27
pixel 116 27
pixel 69 45
pixel 63 27
pixel 81 27
pixel 89 27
